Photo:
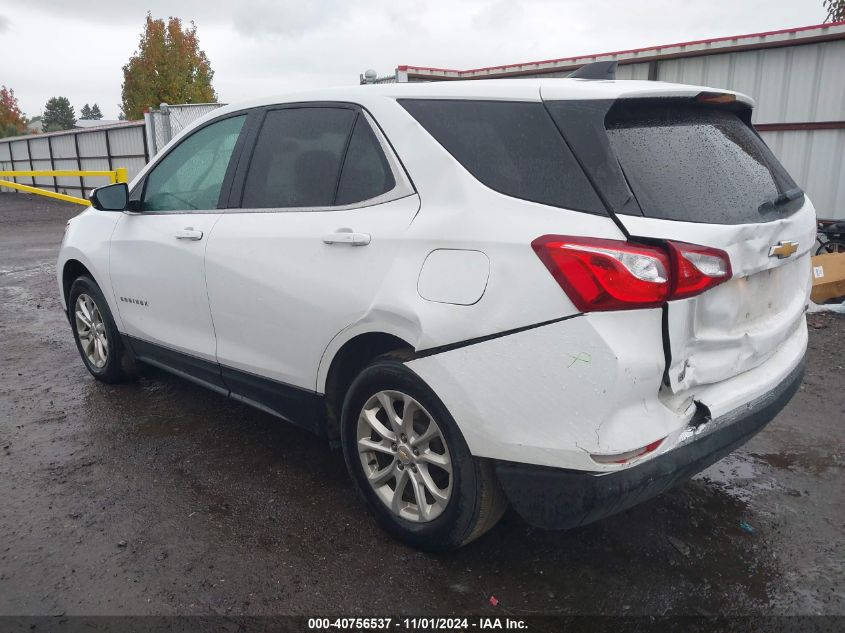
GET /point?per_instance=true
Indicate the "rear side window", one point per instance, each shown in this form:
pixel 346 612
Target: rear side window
pixel 366 173
pixel 512 147
pixel 297 158
pixel 698 164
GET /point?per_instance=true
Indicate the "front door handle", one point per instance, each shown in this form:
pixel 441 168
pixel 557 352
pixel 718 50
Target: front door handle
pixel 347 236
pixel 189 233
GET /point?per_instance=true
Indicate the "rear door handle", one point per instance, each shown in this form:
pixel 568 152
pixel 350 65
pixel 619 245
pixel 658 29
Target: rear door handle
pixel 189 233
pixel 347 236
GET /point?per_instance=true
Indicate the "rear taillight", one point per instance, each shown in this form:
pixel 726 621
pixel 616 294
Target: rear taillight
pixel 697 268
pixel 599 274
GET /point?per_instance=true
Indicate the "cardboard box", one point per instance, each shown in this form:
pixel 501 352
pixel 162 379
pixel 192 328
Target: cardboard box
pixel 828 277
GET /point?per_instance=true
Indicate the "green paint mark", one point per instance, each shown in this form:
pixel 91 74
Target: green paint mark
pixel 581 357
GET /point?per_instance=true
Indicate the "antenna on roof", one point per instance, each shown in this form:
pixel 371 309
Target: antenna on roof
pixel 596 70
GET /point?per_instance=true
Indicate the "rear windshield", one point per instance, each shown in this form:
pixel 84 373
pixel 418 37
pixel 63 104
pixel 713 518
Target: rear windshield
pixel 512 147
pixel 698 164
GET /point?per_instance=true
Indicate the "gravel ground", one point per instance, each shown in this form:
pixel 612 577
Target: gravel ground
pixel 158 497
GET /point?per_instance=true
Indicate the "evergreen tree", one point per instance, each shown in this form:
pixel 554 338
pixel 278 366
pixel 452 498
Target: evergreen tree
pixel 58 115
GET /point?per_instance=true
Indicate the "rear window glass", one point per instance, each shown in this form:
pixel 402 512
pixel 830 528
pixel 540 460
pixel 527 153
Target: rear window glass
pixel 697 164
pixel 512 147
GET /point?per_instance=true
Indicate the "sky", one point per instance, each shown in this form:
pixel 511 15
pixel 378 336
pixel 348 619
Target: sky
pixel 266 47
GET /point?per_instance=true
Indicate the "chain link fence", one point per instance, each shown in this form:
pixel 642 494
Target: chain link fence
pixel 167 121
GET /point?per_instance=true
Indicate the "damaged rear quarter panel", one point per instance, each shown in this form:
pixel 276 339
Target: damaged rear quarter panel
pixel 551 395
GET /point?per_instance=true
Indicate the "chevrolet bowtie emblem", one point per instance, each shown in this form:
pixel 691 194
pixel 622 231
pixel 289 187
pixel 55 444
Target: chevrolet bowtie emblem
pixel 783 249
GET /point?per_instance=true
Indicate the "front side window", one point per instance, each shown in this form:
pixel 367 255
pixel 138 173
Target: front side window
pixel 191 176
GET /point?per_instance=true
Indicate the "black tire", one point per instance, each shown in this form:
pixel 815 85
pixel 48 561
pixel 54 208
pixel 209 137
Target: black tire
pixel 831 246
pixel 119 365
pixel 476 502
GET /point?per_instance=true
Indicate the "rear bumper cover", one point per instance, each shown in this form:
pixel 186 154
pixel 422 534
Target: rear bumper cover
pixel 555 498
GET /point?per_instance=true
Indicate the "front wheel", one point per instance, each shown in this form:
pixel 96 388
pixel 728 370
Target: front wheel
pixel 96 335
pixel 411 464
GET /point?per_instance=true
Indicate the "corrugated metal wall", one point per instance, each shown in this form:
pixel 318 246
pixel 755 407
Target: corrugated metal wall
pixel 796 76
pixel 105 148
pixel 92 149
pixel 791 85
pixel 628 71
pixel 814 159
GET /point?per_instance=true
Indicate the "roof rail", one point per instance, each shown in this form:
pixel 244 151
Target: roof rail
pixel 596 70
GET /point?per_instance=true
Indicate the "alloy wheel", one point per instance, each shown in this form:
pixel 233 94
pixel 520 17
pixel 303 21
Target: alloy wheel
pixel 91 331
pixel 405 457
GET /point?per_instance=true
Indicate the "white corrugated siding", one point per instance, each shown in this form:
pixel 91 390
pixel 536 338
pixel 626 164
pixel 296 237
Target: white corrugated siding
pixel 792 74
pixel 796 84
pixel 67 181
pixel 125 145
pixel 92 144
pixel 63 146
pixel 814 159
pixel 632 71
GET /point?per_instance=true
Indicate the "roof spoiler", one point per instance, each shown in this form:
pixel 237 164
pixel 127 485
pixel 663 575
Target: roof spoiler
pixel 596 70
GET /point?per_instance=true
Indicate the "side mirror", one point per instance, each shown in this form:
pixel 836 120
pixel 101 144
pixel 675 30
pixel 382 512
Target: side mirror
pixel 111 197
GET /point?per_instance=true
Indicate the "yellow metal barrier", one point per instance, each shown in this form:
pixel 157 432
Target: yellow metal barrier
pixel 116 175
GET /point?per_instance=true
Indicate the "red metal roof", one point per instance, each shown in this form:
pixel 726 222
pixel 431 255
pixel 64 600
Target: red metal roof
pixel 559 60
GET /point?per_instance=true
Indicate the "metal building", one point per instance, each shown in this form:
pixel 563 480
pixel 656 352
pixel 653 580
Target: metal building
pixel 797 77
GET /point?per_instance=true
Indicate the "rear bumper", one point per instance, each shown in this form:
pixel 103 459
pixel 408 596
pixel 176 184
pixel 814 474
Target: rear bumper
pixel 555 498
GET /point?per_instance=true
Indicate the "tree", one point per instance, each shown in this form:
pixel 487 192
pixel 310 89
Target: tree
pixel 12 120
pixel 168 67
pixel 835 10
pixel 58 115
pixel 90 113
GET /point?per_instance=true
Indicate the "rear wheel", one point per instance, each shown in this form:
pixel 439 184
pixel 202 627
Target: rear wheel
pixel 411 464
pixel 96 335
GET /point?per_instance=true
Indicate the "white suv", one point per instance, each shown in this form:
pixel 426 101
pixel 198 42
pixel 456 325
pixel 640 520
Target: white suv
pixel 565 294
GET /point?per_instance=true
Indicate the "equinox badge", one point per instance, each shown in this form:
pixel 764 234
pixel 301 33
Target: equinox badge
pixel 783 249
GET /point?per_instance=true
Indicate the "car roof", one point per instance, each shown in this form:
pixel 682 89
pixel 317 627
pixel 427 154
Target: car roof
pixel 528 89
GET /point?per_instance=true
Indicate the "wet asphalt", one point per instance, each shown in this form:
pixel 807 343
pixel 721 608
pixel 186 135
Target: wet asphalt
pixel 158 497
